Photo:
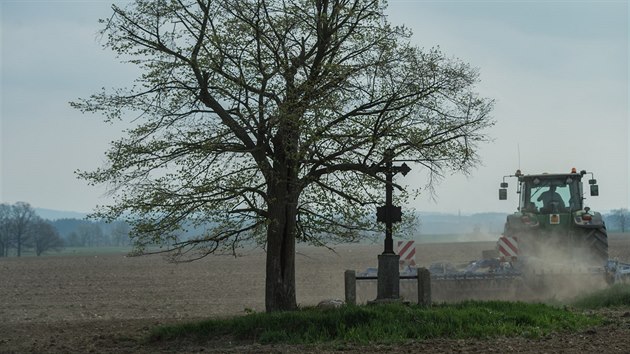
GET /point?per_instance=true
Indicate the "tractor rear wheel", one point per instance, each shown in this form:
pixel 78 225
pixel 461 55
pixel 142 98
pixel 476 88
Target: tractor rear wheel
pixel 597 241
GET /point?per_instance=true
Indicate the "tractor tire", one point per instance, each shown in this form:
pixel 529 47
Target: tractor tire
pixel 597 241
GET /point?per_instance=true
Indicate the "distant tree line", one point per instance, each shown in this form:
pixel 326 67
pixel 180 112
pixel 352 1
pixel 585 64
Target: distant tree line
pixel 22 230
pixel 84 233
pixel 618 220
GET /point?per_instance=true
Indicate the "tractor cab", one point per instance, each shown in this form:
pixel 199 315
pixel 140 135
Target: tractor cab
pixel 547 194
pixel 550 193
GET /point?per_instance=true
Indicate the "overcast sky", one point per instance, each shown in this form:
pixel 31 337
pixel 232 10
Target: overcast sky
pixel 557 69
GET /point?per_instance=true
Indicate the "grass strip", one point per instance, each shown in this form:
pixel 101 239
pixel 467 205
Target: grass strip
pixel 390 323
pixel 617 295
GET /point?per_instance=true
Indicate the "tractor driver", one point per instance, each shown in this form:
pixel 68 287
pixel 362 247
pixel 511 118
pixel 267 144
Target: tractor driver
pixel 551 198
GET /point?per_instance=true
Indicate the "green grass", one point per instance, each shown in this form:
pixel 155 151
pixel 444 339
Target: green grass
pixel 391 323
pixel 615 296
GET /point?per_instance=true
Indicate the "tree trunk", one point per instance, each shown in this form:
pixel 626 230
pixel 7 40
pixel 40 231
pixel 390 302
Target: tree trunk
pixel 280 272
pixel 283 190
pixel 282 226
pixel 19 244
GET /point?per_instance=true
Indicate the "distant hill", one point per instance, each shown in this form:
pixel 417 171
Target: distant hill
pixel 432 223
pixel 443 223
pixel 51 214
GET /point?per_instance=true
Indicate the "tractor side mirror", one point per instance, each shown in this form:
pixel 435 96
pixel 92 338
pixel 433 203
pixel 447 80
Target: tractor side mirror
pixel 503 191
pixel 594 190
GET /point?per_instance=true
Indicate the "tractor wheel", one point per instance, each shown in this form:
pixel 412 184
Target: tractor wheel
pixel 597 241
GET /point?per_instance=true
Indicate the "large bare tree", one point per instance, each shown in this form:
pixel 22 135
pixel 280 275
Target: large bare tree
pixel 16 221
pixel 22 217
pixel 266 119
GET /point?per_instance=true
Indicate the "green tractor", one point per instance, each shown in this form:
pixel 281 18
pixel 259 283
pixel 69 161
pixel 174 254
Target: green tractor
pixel 552 226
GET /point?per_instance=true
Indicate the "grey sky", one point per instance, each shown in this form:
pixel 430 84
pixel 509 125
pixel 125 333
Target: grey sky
pixel 557 69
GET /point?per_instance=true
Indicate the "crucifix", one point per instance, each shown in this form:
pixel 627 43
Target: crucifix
pixel 388 287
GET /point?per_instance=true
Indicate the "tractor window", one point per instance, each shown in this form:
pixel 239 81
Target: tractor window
pixel 550 198
pixel 551 195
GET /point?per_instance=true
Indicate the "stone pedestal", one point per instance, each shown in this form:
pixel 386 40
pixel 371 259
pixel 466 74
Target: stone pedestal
pixel 388 287
pixel 424 287
pixel 350 284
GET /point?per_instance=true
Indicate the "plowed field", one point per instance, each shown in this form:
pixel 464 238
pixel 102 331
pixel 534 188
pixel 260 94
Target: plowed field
pixel 107 303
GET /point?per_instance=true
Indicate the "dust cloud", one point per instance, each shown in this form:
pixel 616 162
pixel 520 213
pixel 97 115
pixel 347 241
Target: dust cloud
pixel 554 269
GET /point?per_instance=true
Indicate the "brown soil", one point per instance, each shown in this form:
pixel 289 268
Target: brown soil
pixel 109 303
